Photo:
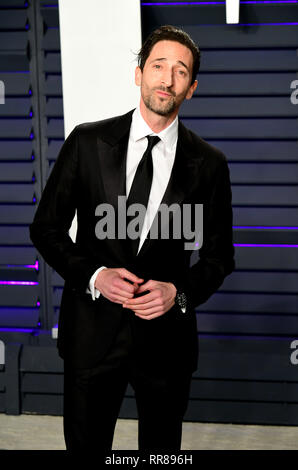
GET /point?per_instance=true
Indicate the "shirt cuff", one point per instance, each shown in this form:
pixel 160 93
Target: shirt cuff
pixel 92 289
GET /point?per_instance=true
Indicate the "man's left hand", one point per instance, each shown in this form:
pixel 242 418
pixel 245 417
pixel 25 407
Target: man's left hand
pixel 160 298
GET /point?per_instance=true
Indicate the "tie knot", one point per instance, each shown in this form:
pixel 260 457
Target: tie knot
pixel 152 140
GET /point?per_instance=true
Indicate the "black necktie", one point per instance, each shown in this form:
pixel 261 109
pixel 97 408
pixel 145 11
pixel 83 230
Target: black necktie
pixel 141 185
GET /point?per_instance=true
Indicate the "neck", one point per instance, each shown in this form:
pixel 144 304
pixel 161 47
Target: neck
pixel 156 122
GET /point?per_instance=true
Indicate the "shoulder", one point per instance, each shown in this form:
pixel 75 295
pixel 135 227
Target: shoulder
pixel 200 148
pixel 105 128
pixel 95 126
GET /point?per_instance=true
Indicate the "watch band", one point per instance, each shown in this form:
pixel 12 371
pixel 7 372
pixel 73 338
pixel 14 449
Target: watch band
pixel 181 300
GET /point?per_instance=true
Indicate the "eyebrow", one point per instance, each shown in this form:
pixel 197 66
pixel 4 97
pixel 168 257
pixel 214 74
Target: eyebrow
pixel 160 59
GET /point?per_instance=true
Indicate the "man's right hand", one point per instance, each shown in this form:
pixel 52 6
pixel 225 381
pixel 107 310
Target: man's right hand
pixel 113 284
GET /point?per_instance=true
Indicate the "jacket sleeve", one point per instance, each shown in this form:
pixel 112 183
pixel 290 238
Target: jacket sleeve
pixel 49 231
pixel 216 256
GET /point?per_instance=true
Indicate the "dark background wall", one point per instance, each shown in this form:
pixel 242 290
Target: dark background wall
pixel 247 371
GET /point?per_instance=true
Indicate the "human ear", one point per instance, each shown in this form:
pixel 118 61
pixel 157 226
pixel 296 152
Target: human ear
pixel 191 90
pixel 138 76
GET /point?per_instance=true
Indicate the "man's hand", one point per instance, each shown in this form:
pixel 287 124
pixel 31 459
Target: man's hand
pixel 157 302
pixel 113 284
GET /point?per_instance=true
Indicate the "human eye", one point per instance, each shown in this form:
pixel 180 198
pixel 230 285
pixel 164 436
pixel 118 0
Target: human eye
pixel 181 72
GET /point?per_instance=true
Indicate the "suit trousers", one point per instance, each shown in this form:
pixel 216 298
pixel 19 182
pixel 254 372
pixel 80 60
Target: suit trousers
pixel 93 398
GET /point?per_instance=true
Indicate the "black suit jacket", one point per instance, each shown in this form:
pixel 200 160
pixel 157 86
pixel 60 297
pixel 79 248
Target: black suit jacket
pixel 90 170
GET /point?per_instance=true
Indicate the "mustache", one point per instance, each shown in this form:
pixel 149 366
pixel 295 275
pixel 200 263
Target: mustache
pixel 166 90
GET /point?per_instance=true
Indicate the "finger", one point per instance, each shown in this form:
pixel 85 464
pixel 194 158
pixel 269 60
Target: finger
pixel 142 307
pixel 146 308
pixel 124 286
pixel 147 286
pixel 120 296
pixel 143 299
pixel 130 276
pixel 148 311
pixel 159 309
pixel 118 300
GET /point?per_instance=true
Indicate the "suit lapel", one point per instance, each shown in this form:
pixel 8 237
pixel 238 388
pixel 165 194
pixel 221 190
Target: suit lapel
pixel 113 170
pixel 112 151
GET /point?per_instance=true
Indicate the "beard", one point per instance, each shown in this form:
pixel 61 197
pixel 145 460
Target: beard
pixel 159 105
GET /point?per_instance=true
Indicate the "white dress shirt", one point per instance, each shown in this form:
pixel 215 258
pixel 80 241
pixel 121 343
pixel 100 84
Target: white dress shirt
pixel 163 156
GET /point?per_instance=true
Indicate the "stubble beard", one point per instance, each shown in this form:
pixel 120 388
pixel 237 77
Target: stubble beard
pixel 161 106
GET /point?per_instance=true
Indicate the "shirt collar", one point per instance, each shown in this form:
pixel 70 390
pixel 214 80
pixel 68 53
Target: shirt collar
pixel 140 129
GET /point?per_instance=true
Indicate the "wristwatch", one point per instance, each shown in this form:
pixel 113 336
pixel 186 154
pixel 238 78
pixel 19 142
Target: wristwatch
pixel 181 301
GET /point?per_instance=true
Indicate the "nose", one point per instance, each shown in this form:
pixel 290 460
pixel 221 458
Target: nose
pixel 167 78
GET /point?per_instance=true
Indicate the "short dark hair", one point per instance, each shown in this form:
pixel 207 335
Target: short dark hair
pixel 170 33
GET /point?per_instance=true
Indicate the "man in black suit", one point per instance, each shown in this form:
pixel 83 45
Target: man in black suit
pixel 127 310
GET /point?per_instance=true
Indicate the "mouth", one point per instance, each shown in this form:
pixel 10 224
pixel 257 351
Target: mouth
pixel 163 94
